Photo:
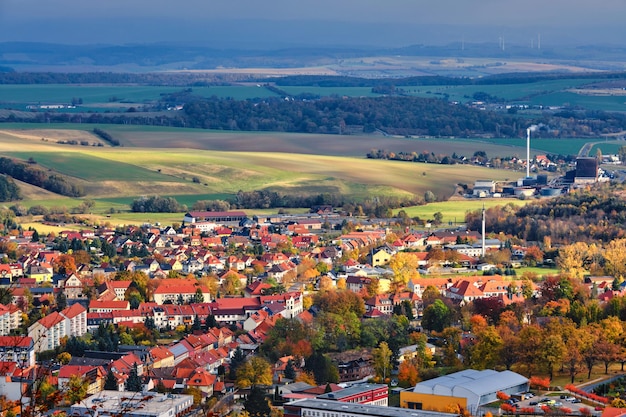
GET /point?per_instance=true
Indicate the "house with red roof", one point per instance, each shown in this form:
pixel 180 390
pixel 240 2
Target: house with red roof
pixel 93 374
pixel 173 290
pixel 103 306
pixel 464 291
pixel 202 380
pixel 161 357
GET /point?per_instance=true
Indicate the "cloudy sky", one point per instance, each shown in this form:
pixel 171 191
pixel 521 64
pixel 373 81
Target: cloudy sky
pixel 381 22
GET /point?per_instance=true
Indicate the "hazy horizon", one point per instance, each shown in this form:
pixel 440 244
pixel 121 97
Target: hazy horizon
pixel 285 23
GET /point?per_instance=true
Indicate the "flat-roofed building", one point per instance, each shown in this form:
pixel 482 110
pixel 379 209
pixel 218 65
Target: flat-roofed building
pixel 320 408
pixel 468 388
pixel 133 404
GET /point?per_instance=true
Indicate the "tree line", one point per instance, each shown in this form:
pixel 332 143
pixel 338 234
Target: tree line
pixel 380 206
pixel 106 136
pixel 9 191
pixel 585 215
pixel 396 115
pixel 38 177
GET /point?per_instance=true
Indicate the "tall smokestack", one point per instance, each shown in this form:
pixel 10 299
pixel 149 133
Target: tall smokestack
pixel 528 153
pixel 483 247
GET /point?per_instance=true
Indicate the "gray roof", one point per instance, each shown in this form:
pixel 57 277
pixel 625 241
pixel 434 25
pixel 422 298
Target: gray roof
pixel 478 382
pixel 365 410
pixel 350 391
pixel 178 350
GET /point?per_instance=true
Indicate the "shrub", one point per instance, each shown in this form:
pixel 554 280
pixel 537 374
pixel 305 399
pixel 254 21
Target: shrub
pixel 507 408
pixel 502 396
pixel 539 383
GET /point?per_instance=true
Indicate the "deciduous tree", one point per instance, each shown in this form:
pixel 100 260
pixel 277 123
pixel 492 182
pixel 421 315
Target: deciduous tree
pixel 382 360
pixel 255 371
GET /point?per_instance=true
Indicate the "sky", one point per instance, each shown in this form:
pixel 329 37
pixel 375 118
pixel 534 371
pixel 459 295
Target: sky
pixel 381 22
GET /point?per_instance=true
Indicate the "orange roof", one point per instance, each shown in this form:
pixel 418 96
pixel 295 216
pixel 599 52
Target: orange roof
pixel 68 371
pixel 160 353
pixel 51 320
pixel 116 305
pixel 73 311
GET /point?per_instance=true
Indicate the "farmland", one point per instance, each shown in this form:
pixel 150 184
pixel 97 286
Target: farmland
pixel 454 211
pixel 198 164
pixel 119 97
pixel 356 145
pixel 113 177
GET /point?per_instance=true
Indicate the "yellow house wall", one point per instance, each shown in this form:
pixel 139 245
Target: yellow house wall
pixel 432 402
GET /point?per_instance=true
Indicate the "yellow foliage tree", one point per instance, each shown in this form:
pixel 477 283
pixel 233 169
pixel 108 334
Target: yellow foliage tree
pixel 255 371
pixel 306 377
pixel 404 266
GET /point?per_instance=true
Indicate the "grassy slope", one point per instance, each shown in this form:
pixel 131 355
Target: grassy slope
pixel 454 211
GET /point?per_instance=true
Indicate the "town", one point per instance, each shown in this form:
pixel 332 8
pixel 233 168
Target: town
pixel 225 310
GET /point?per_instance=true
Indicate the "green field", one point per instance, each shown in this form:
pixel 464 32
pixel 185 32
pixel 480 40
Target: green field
pixel 565 146
pixel 114 97
pixel 26 94
pixel 548 92
pixel 454 211
pixel 91 168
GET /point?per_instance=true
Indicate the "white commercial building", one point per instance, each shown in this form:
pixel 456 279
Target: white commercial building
pixel 133 404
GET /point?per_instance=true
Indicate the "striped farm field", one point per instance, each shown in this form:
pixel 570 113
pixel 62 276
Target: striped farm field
pixel 91 168
pixel 296 143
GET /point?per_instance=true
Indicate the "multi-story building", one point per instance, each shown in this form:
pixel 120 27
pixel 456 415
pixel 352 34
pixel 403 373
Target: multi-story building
pixel 372 394
pixel 48 331
pixel 19 349
pixel 10 319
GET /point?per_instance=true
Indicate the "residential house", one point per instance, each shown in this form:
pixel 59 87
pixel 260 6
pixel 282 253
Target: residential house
pixel 173 290
pixel 101 306
pixel 94 375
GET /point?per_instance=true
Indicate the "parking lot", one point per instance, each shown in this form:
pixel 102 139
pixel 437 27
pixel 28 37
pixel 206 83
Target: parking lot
pixel 553 401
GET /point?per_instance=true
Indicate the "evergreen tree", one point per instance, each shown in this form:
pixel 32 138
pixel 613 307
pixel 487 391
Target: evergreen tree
pixel 237 360
pixel 211 322
pixel 256 404
pixel 322 367
pixel 110 383
pixel 61 301
pixel 290 372
pixel 196 323
pixel 198 297
pixel 149 323
pixel 133 383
